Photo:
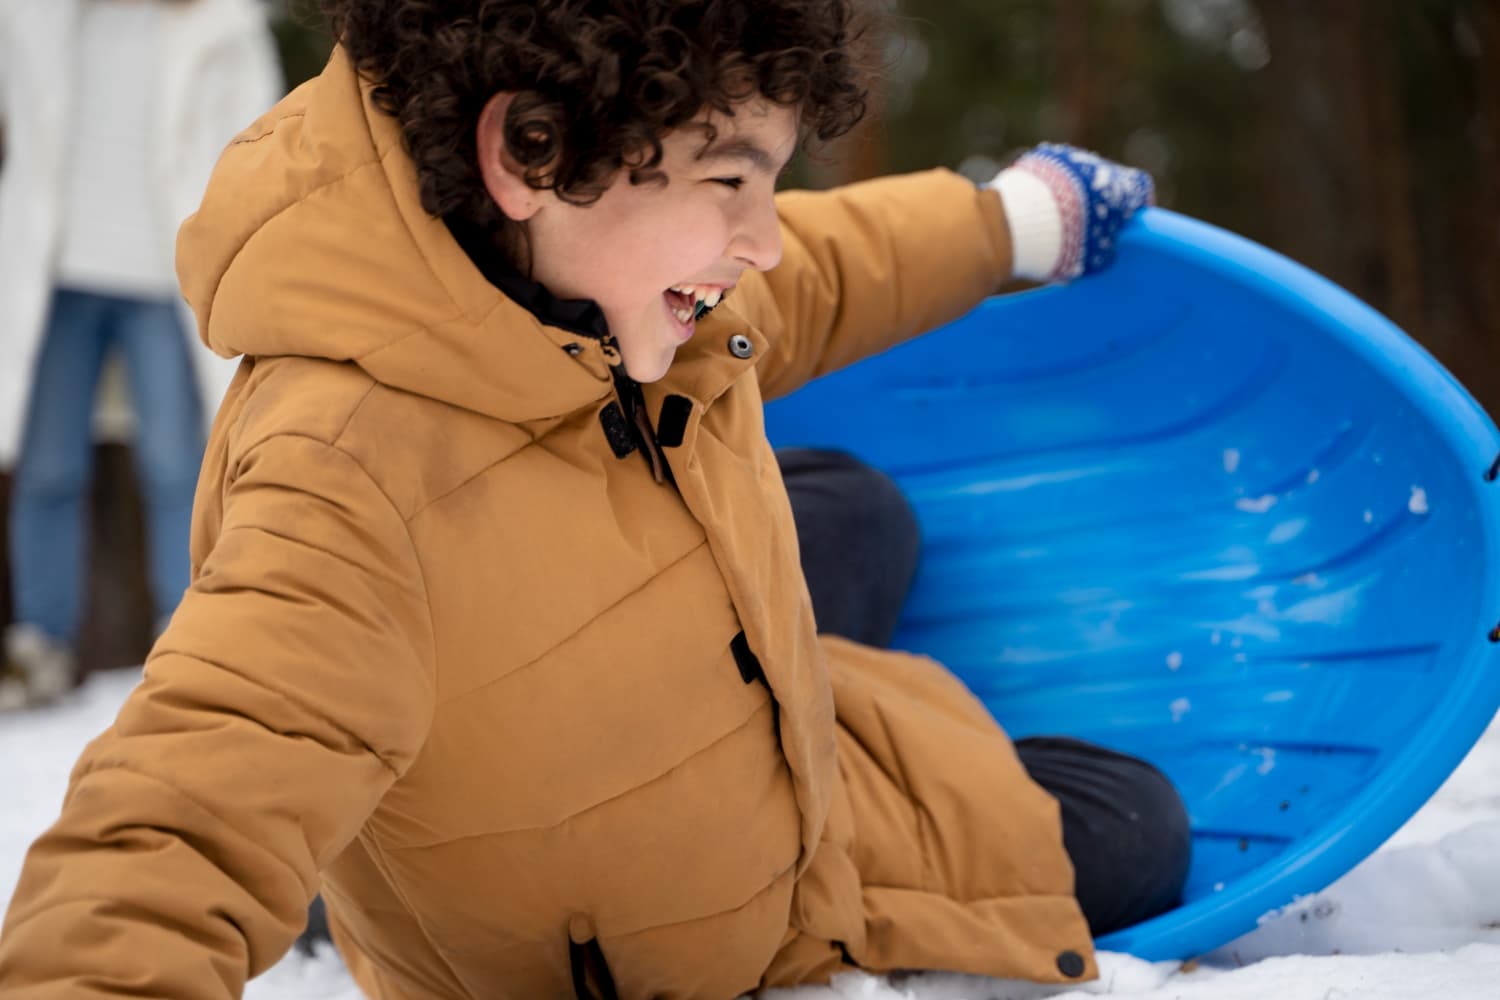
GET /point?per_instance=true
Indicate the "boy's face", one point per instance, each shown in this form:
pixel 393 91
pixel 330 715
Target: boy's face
pixel 712 220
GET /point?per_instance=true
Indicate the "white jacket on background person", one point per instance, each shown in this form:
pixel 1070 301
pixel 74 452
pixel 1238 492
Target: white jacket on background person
pixel 217 73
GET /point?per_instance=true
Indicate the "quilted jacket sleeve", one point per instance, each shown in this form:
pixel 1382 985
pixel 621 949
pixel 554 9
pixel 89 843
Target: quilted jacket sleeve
pixel 292 688
pixel 870 265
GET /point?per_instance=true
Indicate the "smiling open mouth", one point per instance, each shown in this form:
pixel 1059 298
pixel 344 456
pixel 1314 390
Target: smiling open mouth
pixel 692 302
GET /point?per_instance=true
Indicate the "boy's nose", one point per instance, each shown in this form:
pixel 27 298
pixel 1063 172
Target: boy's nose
pixel 758 241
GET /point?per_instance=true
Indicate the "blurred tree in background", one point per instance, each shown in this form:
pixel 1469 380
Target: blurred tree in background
pixel 1360 137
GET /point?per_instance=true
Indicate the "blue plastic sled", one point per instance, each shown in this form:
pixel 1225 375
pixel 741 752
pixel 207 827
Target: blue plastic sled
pixel 1208 508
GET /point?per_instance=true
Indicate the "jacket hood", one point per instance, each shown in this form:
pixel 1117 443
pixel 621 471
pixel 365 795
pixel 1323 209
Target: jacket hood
pixel 312 241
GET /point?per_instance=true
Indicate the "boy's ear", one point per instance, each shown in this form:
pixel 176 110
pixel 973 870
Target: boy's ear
pixel 503 176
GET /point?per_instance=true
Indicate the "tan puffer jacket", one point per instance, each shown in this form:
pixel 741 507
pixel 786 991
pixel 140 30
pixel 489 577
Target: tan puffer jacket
pixel 542 724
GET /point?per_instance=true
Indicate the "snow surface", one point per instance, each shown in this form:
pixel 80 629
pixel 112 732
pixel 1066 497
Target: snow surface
pixel 1420 918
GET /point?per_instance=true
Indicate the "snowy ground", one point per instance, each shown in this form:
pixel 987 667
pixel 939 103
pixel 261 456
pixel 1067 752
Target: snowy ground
pixel 1421 918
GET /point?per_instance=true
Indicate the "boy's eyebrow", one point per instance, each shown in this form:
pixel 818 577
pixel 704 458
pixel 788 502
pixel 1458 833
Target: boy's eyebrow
pixel 741 148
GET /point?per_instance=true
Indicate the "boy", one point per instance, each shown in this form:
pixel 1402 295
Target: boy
pixel 498 627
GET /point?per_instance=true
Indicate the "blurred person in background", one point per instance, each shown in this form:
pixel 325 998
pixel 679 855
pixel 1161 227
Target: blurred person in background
pixel 114 113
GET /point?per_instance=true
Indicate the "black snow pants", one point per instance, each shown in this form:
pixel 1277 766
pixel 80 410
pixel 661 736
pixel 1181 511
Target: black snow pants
pixel 1124 825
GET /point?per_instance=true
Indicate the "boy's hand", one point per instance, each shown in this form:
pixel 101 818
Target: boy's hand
pixel 1066 207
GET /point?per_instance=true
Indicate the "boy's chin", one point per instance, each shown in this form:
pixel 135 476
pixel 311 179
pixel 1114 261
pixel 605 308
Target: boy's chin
pixel 651 368
pixel 654 372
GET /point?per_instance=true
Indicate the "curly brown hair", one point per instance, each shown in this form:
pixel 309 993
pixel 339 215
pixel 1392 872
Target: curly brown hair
pixel 598 82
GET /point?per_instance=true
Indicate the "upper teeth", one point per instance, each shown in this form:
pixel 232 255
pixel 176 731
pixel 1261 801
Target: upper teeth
pixel 706 294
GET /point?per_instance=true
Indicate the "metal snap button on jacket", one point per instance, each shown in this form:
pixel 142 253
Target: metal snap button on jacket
pixel 740 346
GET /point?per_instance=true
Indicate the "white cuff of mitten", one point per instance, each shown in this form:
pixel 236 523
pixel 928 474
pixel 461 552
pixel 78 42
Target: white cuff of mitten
pixel 1036 227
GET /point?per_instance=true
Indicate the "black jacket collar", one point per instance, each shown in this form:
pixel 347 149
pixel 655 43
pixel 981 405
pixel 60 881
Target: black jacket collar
pixel 580 316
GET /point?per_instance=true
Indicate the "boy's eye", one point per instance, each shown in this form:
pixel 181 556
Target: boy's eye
pixel 730 182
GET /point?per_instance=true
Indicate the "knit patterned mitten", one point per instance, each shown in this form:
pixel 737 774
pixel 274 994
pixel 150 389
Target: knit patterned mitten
pixel 1066 207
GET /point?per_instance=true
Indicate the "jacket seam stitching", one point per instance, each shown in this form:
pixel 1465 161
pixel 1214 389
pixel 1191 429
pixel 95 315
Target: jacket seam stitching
pixel 788 870
pixel 759 710
pixel 307 195
pixel 416 558
pixel 416 552
pixel 393 879
pixel 919 810
pixel 330 441
pixel 100 767
pixel 338 436
pixel 469 692
pixel 246 140
pixel 18 921
pixel 426 505
pixel 285 695
pixel 416 331
pixel 264 223
pixel 458 313
pixel 650 928
pixel 281 536
pixel 425 594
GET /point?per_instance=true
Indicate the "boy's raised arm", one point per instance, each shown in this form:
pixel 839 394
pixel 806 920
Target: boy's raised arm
pixel 870 265
pixel 293 687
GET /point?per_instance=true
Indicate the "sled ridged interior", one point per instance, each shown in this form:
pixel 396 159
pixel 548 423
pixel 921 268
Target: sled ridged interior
pixel 1210 509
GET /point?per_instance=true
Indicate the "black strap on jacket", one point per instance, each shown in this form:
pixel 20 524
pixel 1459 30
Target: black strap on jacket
pixel 580 316
pixel 589 968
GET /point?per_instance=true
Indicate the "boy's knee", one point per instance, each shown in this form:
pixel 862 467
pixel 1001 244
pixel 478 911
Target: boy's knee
pixel 1125 826
pixel 797 463
pixel 867 500
pixel 1169 834
pixel 1157 844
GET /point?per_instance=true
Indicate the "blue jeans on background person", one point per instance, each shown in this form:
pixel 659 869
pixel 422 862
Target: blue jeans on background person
pixel 50 492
